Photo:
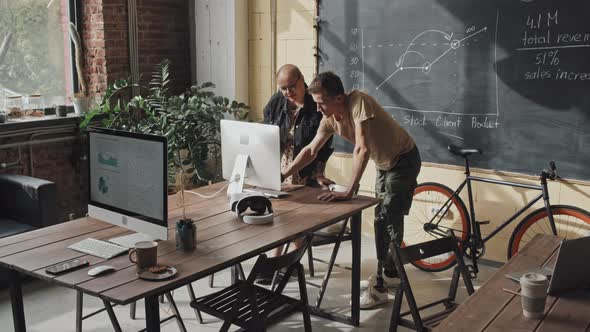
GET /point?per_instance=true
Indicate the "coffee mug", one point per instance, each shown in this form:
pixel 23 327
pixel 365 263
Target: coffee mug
pixel 146 254
pixel 533 289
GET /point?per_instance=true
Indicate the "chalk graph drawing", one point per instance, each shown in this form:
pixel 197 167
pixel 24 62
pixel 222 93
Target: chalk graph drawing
pixel 425 63
pixel 430 58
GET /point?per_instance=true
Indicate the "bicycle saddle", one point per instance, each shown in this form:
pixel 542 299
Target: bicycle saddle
pixel 463 152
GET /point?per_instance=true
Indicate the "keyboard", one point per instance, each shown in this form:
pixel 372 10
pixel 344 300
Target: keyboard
pixel 98 248
pixel 267 192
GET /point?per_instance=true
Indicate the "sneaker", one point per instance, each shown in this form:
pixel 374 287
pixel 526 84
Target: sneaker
pixel 389 283
pixel 372 297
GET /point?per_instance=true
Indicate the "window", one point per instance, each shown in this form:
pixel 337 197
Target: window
pixel 36 57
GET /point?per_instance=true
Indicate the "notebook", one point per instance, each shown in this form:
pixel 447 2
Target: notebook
pixel 285 189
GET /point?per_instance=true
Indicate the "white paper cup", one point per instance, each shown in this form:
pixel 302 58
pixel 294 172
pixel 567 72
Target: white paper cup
pixel 533 288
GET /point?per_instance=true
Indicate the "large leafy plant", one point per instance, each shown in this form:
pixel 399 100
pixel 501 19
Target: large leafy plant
pixel 190 121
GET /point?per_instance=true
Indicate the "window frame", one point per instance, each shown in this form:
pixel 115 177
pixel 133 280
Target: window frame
pixel 74 6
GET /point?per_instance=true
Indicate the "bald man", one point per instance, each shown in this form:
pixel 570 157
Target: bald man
pixel 295 112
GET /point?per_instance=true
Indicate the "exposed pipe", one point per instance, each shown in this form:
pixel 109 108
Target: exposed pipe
pixel 44 141
pixel 14 163
pixel 34 132
pixel 133 48
pixel 29 131
pixel 31 140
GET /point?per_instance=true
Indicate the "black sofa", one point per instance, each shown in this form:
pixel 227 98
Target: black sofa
pixel 26 203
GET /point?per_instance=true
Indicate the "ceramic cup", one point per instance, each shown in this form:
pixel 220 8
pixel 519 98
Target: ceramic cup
pixel 145 254
pixel 533 288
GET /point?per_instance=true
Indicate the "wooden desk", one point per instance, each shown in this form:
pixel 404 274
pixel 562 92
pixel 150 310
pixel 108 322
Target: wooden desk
pixel 222 241
pixel 491 309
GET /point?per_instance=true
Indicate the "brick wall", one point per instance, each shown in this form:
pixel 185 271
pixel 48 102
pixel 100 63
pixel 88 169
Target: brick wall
pixel 93 38
pixel 163 33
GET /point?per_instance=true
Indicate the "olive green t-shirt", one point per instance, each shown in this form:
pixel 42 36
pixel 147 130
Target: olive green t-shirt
pixel 386 139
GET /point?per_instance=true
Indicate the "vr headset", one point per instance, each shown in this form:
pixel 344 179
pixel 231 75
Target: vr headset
pixel 257 203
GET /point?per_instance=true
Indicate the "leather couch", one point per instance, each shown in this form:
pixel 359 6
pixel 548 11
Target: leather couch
pixel 26 203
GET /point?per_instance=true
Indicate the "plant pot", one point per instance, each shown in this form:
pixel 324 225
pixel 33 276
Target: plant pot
pixel 61 110
pixel 81 105
pixel 186 235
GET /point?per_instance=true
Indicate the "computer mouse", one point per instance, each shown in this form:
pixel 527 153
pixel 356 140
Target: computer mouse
pixel 101 269
pixel 337 188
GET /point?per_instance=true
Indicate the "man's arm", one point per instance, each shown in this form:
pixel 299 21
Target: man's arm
pixel 360 158
pixel 360 155
pixel 308 153
pixel 321 160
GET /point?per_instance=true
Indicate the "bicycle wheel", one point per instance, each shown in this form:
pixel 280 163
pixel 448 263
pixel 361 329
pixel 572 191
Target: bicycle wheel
pixel 426 222
pixel 570 222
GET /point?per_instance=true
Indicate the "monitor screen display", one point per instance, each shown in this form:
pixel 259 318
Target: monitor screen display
pixel 128 174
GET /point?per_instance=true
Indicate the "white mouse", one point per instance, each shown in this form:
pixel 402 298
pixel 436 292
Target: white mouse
pixel 98 270
pixel 337 188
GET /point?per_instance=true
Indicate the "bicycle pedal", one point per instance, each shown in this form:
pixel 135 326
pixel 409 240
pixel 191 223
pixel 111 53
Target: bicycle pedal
pixel 483 222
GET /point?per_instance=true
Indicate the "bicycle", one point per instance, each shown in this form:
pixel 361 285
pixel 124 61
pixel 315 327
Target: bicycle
pixel 436 209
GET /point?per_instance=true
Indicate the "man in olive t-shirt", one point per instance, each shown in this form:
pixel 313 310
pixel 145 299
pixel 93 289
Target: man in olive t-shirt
pixel 358 118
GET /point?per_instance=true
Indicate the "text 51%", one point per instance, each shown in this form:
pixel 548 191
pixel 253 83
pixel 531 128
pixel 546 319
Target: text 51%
pixel 549 57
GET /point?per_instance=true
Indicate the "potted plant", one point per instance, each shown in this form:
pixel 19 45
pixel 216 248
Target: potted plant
pixel 190 122
pixel 81 100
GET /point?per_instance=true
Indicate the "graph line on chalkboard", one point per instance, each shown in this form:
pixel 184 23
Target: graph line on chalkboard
pixel 447 134
pixel 550 47
pixel 427 65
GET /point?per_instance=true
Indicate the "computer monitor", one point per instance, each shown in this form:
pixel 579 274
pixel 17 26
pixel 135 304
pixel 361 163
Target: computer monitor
pixel 128 183
pixel 251 154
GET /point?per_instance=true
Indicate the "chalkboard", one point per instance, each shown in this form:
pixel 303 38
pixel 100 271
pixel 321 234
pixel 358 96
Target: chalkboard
pixel 511 77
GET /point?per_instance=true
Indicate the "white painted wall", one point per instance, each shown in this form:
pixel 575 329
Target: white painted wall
pixel 220 53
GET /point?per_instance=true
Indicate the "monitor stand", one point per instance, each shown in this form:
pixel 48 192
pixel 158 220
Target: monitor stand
pixel 129 241
pixel 236 182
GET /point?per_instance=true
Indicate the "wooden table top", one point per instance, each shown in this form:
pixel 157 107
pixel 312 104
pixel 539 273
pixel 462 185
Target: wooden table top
pixel 222 241
pixel 491 309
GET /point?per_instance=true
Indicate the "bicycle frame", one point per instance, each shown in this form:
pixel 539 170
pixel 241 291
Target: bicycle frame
pixel 474 239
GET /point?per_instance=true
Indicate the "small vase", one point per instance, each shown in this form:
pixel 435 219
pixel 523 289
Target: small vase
pixel 186 237
pixel 61 110
pixel 81 105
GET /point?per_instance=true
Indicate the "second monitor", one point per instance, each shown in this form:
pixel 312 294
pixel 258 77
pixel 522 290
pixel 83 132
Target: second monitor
pixel 250 153
pixel 128 183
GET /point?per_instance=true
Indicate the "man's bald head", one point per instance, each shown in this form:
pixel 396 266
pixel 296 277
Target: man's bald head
pixel 289 71
pixel 291 84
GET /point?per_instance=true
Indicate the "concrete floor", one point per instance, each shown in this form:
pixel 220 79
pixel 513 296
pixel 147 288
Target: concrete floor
pixel 52 308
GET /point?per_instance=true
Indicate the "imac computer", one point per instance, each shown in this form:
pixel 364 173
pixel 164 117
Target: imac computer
pixel 128 183
pixel 250 153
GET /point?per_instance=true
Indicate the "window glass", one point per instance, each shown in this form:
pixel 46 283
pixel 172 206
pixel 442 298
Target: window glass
pixel 35 56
